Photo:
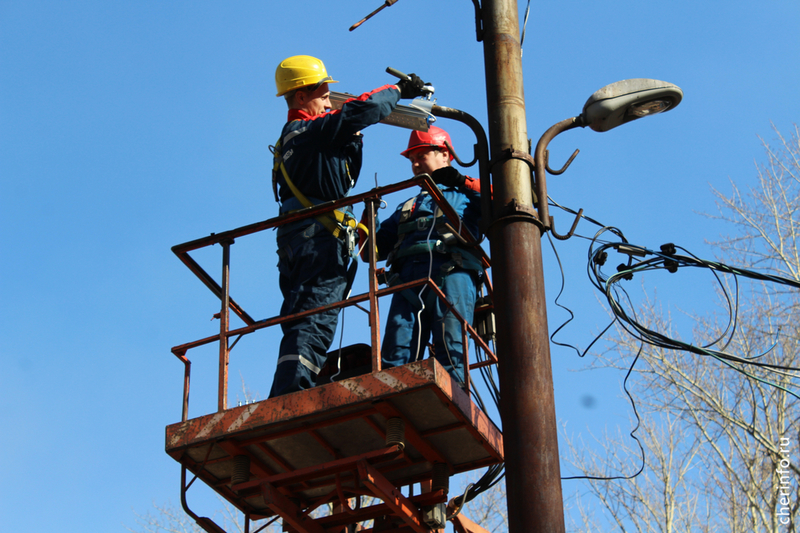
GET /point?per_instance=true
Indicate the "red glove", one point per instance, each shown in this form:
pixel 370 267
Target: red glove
pixel 472 183
pixel 475 185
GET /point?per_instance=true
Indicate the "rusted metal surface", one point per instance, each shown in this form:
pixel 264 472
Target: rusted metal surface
pixel 217 238
pixel 526 386
pixel 226 239
pixel 179 351
pixel 374 315
pixel 261 324
pixel 187 372
pixel 327 444
pixel 424 182
pixel 336 467
pixel 224 315
pixel 336 403
pixel 392 496
pixel 541 164
pixel 290 512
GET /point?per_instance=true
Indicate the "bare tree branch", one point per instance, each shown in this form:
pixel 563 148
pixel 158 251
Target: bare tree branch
pixel 716 434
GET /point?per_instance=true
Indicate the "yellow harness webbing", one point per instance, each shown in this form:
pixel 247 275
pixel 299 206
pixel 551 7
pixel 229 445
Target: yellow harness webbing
pixel 340 219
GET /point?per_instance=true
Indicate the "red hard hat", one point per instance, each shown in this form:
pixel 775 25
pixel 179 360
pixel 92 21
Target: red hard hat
pixel 434 137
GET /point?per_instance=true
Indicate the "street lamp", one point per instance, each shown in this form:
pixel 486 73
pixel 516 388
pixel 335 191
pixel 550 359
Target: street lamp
pixel 607 108
pixel 628 100
pixel 414 116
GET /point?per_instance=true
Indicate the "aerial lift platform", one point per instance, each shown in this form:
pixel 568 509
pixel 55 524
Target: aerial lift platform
pixel 327 458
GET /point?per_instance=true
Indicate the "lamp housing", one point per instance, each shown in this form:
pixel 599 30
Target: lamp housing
pixel 628 100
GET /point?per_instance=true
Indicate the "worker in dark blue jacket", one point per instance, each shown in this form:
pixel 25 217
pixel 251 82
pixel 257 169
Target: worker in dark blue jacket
pixel 318 159
pixel 416 244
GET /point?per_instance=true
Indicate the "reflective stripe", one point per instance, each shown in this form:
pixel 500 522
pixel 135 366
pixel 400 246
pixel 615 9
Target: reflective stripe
pixel 303 361
pixel 292 134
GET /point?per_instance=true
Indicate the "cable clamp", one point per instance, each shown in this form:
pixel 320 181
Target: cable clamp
pixel 630 250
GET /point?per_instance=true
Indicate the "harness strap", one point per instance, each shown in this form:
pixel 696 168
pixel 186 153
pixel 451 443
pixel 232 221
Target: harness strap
pixel 419 224
pixel 336 224
pixel 407 209
pixel 460 257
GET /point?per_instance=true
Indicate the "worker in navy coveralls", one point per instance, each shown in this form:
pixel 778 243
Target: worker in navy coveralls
pixel 416 245
pixel 319 152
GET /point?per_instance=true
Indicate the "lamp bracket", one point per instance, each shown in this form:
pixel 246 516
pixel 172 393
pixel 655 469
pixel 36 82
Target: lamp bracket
pixel 510 153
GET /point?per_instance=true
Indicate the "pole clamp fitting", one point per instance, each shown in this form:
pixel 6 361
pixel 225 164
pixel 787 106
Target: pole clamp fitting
pixel 510 153
pixel 517 212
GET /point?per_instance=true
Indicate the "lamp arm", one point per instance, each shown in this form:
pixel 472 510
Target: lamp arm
pixel 540 167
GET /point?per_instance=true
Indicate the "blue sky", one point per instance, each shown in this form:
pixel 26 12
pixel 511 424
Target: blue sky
pixel 129 127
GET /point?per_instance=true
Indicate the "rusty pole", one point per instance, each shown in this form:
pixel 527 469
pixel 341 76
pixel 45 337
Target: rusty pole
pixel 527 405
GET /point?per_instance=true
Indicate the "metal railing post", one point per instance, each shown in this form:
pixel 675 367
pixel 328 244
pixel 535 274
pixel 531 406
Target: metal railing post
pixel 374 314
pixel 224 317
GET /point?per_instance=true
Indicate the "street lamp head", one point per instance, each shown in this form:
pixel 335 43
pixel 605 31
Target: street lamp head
pixel 628 100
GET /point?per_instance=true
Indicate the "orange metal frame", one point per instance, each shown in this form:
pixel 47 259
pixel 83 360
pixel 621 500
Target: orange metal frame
pixel 226 239
pixel 329 444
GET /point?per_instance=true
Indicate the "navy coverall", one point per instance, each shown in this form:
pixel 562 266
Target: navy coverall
pixel 322 156
pixel 417 314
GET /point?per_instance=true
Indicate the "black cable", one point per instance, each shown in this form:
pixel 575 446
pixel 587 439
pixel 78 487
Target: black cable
pixel 496 472
pixel 668 259
pixel 571 314
pixel 632 433
pixel 594 240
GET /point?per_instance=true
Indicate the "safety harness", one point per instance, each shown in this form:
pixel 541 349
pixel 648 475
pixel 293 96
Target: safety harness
pixel 338 221
pixel 445 242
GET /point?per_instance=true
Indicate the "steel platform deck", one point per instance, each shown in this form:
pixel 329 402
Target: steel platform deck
pixel 314 446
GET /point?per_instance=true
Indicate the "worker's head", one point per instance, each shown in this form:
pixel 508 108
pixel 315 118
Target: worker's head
pixel 303 82
pixel 428 150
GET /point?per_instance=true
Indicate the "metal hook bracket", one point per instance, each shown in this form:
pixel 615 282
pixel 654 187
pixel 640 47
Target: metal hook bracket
pixel 455 156
pixel 571 231
pixel 564 168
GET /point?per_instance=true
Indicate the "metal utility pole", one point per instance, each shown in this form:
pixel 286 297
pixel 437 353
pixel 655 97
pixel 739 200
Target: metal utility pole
pixel 527 406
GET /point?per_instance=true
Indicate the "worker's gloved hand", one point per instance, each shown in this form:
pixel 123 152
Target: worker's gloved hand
pixel 412 87
pixel 448 176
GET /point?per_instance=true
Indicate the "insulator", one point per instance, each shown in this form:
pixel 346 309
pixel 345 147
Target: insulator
pixel 395 432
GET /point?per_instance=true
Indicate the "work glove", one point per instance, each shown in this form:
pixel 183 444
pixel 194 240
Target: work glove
pixel 412 87
pixel 448 176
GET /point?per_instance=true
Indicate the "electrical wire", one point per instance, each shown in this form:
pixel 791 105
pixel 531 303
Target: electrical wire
pixel 495 473
pixel 668 259
pixel 632 433
pixel 418 354
pixel 581 353
pixel 595 238
pixel 524 26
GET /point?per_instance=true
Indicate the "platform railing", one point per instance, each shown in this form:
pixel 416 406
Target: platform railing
pixel 371 201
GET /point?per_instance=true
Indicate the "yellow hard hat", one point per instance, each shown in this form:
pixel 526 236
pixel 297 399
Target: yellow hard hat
pixel 300 71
